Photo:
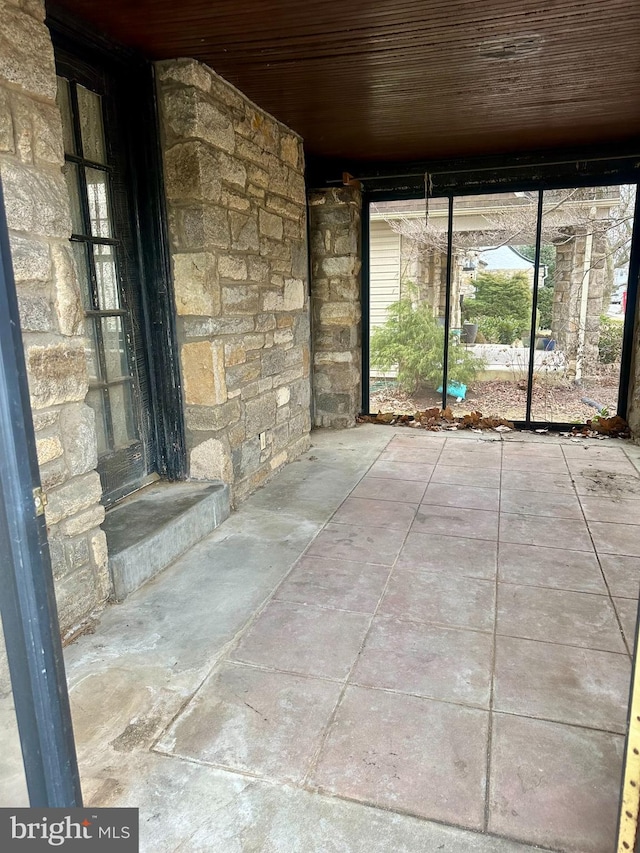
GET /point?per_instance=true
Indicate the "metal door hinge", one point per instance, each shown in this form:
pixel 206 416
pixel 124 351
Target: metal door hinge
pixel 40 500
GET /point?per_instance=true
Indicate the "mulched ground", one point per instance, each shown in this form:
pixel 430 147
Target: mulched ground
pixel 557 402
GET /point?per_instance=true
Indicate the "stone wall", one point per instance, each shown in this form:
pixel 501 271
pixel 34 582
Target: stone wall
pixel 334 219
pixel 39 220
pixel 236 199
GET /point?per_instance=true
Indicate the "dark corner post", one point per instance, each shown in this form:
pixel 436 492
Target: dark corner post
pixel 365 302
pixel 447 305
pixel 27 599
pixel 630 318
pixel 534 309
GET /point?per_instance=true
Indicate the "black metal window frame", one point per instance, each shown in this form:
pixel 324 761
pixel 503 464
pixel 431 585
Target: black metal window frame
pixel 88 241
pixel 138 104
pixel 452 184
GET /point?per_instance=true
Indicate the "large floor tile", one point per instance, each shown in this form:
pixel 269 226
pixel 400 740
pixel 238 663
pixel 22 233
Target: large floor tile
pixel 533 565
pixel 304 639
pixel 610 509
pixel 589 451
pixel 555 785
pixel 537 464
pixel 582 467
pixel 567 533
pixel 448 555
pixel 403 453
pixel 627 610
pixel 555 505
pixel 426 660
pixel 474 460
pixel 369 512
pixel 534 482
pixel 607 485
pixel 468 497
pixel 384 489
pixel 531 450
pixel 402 470
pixel 358 544
pixel 457 475
pixel 562 683
pixel 622 574
pixel 401 752
pixel 335 583
pixel 429 597
pixel 268 723
pixel 558 616
pixel 456 521
pixel 616 538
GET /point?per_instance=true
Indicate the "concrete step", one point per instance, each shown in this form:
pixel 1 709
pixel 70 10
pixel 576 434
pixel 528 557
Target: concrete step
pixel 153 527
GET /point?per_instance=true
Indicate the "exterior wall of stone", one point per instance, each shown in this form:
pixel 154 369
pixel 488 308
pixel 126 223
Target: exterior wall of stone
pixel 334 220
pixel 39 220
pixel 237 221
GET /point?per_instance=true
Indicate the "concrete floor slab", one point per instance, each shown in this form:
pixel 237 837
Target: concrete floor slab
pixel 622 574
pixel 335 583
pixel 534 565
pixel 436 598
pixel 465 496
pixel 447 555
pixel 533 795
pixel 563 683
pixel 426 660
pixel 406 753
pixel 456 521
pixel 249 719
pixel 159 669
pixel 393 515
pixel 304 639
pixel 558 616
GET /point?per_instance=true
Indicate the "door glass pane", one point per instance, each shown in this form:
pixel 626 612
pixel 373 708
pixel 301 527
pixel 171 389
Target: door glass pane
pixel 98 196
pixel 115 353
pixel 106 278
pixel 13 786
pixel 91 349
pixel 491 300
pixel 90 112
pixel 124 430
pixel 82 269
pixel 586 240
pixel 64 105
pixel 407 298
pixel 71 177
pixel 95 400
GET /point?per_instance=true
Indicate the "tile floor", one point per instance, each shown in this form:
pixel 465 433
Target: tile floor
pixel 454 644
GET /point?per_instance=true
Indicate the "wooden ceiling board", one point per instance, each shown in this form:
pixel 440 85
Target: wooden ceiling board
pixel 400 80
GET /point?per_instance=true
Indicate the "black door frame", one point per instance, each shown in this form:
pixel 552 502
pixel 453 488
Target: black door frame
pixel 450 183
pixel 138 103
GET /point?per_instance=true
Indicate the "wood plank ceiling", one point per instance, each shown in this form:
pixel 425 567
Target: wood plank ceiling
pixel 400 80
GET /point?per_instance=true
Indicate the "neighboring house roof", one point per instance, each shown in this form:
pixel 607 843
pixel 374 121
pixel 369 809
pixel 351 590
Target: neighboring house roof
pixel 505 258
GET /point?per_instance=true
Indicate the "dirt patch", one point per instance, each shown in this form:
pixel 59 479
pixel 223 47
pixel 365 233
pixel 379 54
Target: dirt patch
pixel 560 403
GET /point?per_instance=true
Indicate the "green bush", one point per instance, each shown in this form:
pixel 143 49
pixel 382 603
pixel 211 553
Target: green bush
pixel 500 330
pixel 412 341
pixel 610 341
pixel 545 307
pixel 501 295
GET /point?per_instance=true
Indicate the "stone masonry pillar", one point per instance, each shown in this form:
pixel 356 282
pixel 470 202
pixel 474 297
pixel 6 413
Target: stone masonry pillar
pixel 334 219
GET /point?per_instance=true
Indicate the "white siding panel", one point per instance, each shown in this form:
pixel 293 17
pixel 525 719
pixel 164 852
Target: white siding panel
pixel 384 271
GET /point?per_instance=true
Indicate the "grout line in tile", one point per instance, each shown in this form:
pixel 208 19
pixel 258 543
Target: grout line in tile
pixel 580 726
pixel 487 786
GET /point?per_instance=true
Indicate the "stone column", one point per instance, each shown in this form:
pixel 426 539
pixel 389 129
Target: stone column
pixel 334 218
